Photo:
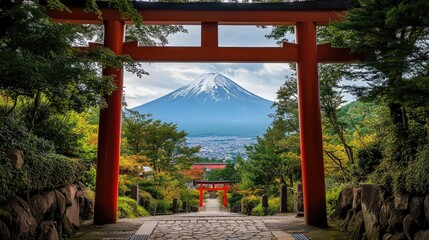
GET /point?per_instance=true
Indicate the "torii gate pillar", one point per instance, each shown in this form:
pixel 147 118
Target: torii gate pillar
pixel 310 126
pixel 109 135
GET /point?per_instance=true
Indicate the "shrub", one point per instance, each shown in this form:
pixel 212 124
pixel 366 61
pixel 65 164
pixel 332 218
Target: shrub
pixel 248 203
pixel 43 169
pixel 273 208
pixel 234 199
pixel 128 208
pixel 150 187
pixel 417 173
pixel 148 202
pixel 191 197
pixel 12 180
pixel 163 206
pixel 50 171
pixel 368 158
pixel 332 195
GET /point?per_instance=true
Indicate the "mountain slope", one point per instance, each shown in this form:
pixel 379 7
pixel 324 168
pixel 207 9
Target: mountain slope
pixel 212 105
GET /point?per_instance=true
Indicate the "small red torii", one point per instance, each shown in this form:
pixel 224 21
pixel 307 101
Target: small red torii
pixel 304 15
pixel 203 187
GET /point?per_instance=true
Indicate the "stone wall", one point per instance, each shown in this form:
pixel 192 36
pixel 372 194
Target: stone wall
pixel 370 213
pixel 47 215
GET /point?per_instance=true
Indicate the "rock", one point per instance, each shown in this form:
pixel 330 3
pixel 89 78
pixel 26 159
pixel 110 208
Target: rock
pixel 399 236
pixel 69 191
pixel 43 206
pixel 23 223
pixel 5 215
pixel 299 202
pixel 66 226
pixel 358 227
pixel 371 205
pixel 344 203
pixel 349 217
pixel 396 220
pixel 48 231
pixel 356 199
pixel 401 202
pixel 422 235
pixel 387 236
pixel 4 231
pixel 416 210
pixel 385 212
pixel 86 208
pixel 73 212
pixel 426 207
pixel 16 157
pixel 410 226
pixel 61 202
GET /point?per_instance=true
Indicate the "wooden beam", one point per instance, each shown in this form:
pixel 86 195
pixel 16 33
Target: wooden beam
pixel 194 17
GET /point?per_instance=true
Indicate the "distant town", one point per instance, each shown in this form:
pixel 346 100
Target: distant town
pixel 221 147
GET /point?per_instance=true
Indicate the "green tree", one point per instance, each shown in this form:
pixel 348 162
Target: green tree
pixel 394 35
pixel 162 143
pixel 166 148
pixel 274 158
pixel 229 173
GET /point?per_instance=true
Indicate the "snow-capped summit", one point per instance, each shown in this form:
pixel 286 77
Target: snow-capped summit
pixel 212 105
pixel 213 87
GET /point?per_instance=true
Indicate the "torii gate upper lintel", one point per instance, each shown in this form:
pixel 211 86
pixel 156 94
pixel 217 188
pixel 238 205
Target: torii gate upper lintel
pixel 305 15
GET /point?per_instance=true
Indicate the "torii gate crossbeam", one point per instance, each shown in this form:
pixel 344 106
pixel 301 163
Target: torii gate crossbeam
pixel 305 15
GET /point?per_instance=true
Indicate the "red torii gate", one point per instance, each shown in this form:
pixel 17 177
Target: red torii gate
pixel 305 15
pixel 225 187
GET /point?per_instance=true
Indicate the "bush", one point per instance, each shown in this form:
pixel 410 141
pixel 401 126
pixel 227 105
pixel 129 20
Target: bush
pixel 12 180
pixel 150 187
pixel 129 208
pixel 368 158
pixel 163 206
pixel 191 197
pixel 50 171
pixel 273 208
pixel 148 202
pixel 248 203
pixel 234 199
pixel 332 195
pixel 417 173
pixel 43 168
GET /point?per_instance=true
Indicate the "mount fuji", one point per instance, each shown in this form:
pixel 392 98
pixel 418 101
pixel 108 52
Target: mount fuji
pixel 213 105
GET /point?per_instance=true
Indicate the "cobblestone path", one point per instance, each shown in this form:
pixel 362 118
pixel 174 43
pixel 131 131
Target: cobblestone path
pixel 209 224
pixel 212 229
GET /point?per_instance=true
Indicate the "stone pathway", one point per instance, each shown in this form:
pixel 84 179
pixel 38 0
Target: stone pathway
pixel 211 224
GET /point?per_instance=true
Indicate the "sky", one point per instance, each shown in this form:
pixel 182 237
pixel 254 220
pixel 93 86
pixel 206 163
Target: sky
pixel 262 79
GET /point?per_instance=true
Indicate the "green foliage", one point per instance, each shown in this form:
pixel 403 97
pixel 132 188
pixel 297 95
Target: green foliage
pixel 248 203
pixel 88 177
pixel 273 208
pixel 43 171
pixel 162 143
pixel 148 202
pixel 129 208
pixel 417 173
pixel 164 206
pixel 229 173
pixel 151 187
pixel 368 158
pixel 234 199
pixel 12 180
pixel 332 195
pixel 41 164
pixel 191 197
